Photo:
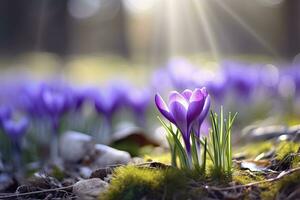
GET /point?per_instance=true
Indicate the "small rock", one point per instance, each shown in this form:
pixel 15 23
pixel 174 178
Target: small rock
pixel 85 172
pixel 74 146
pixel 265 133
pixel 282 133
pixel 89 189
pixel 106 156
pixel 102 173
pixel 252 166
pixel 137 160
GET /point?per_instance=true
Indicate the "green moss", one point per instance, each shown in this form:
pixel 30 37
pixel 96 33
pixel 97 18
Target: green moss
pixel 132 182
pixel 131 147
pixel 163 158
pixel 244 177
pixel 286 148
pixel 285 155
pixel 296 162
pixel 254 149
pixel 58 173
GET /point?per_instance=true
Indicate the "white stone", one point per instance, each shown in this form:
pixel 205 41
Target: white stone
pixel 73 146
pixel 106 156
pixel 85 172
pixel 89 189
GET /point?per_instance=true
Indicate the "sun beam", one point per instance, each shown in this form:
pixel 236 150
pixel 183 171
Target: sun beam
pixel 246 26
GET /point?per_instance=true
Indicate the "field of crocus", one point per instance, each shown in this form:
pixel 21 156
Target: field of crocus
pixel 190 132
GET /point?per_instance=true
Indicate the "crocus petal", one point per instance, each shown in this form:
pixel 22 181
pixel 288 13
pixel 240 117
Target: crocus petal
pixel 54 102
pixel 202 116
pixel 162 107
pixel 205 109
pixel 204 91
pixel 175 96
pixel 179 113
pixel 187 94
pixel 195 106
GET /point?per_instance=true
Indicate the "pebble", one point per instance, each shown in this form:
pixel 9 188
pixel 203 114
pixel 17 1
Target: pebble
pixel 85 172
pixel 73 146
pixel 265 133
pixel 106 156
pixel 272 132
pixel 89 189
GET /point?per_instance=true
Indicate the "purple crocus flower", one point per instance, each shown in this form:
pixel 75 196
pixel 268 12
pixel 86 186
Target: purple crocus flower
pixel 30 100
pixel 241 78
pixel 294 74
pixel 110 99
pixel 197 124
pixel 138 101
pixel 180 72
pixel 15 130
pixel 183 109
pixel 56 102
pixel 5 113
pixel 79 97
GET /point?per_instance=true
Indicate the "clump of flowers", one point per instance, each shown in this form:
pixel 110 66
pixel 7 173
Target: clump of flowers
pixel 186 112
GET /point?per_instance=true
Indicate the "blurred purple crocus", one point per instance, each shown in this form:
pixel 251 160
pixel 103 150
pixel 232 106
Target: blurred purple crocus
pixel 15 130
pixel 56 102
pixel 30 100
pixel 5 113
pixel 241 78
pixel 110 99
pixel 183 110
pixel 138 101
pixel 180 73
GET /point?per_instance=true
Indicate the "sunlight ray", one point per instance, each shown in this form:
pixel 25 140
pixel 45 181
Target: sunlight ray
pixel 41 24
pixel 209 33
pixel 246 26
pixel 192 31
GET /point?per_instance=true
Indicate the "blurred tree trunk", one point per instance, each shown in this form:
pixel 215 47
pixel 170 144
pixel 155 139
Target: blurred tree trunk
pixel 293 24
pixel 33 25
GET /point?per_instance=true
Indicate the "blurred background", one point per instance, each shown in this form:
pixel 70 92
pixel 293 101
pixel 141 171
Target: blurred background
pixel 81 33
pixel 57 56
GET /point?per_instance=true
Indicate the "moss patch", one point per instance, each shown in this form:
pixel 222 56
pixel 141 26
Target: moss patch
pixel 131 182
pixel 254 149
pixel 286 148
pixel 244 177
pixel 163 158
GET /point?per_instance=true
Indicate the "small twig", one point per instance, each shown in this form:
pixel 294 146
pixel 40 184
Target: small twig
pixel 36 192
pixel 280 176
